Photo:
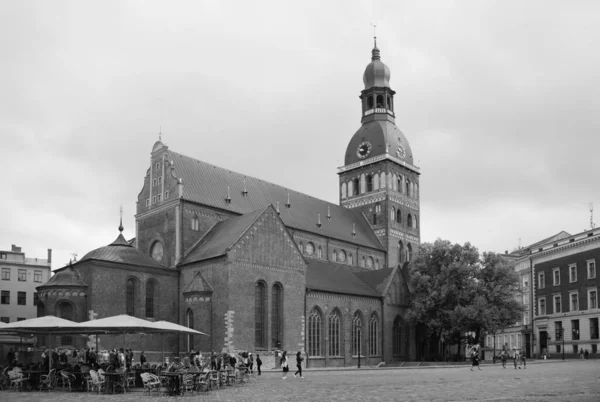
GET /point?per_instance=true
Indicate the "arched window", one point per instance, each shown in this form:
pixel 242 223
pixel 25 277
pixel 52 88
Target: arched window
pixel 342 256
pixel 301 247
pixel 369 179
pixel 277 316
pixel 375 181
pixel 377 208
pixel 334 256
pixel 399 185
pixel 370 262
pixel 189 318
pixel 363 183
pixel 414 222
pixel 260 319
pixel 380 103
pixel 65 311
pixel 394 182
pixel 409 220
pixel 399 216
pixel 406 186
pixel 389 102
pixel 409 252
pixel 320 252
pixel 334 333
pixel 350 188
pixel 314 332
pixel 356 334
pixel 350 259
pixel 344 193
pixel 374 336
pixel 370 102
pixel 400 252
pixel 382 180
pixel 131 295
pixel 363 263
pixel 355 186
pixel 397 337
pixel 377 264
pixel 195 223
pixel 151 292
pixel 393 214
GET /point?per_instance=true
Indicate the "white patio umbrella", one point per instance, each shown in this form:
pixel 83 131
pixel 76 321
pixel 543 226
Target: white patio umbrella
pixel 165 327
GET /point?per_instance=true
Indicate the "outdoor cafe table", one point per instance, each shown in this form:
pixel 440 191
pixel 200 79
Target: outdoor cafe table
pixel 34 378
pixel 113 378
pixel 175 382
pixel 139 371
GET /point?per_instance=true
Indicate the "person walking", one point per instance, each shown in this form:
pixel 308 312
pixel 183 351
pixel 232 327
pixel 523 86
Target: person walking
pixel 284 364
pixel 251 362
pixel 258 363
pixel 475 357
pixel 142 358
pixel 213 361
pixel 581 353
pixel 503 357
pixel 299 360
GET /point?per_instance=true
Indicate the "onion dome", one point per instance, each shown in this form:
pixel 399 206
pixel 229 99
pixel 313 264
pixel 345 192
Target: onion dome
pixel 376 74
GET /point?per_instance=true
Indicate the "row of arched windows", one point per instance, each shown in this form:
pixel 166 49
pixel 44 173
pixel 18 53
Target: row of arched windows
pixel 378 101
pixel 368 182
pixel 396 216
pixel 338 255
pixel 333 324
pixel 132 294
pixel 261 315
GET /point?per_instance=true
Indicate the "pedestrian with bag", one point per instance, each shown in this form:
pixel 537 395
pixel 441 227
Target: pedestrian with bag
pixel 284 364
pixel 299 360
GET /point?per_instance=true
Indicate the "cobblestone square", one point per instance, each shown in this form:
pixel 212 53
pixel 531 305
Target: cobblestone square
pixel 550 381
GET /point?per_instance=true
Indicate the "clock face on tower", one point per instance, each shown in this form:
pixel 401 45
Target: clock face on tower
pixel 363 150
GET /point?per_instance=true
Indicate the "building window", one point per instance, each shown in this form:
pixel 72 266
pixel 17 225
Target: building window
pixel 573 273
pixel 363 261
pixel 310 248
pixel 314 333
pixel 154 199
pixel 526 318
pixel 356 334
pixel 378 208
pixel 166 194
pixel 65 311
pixel 592 298
pixel 409 220
pixel 355 186
pixel 397 337
pixel 320 252
pixel 556 276
pixel 398 216
pixel 158 166
pixel 37 276
pixel 159 197
pixel 541 280
pixel 400 252
pixel 591 269
pixel 342 256
pixel 190 324
pixel 277 316
pixel 557 306
pixel 334 256
pixel 594 328
pixel 376 264
pixel 558 330
pixel 350 259
pixel 374 336
pixel 35 299
pixel 147 202
pixel 22 275
pixel 512 341
pixel 542 306
pixel 393 214
pixel 195 223
pixel 150 298
pixel 154 182
pixel 370 262
pixel 130 294
pixel 369 183
pixel 301 247
pixel 526 282
pixel 5 297
pixel 574 301
pixel 334 333
pixel 575 330
pixel 21 298
pixel 260 321
pixel 5 320
pixel 409 252
pixel 6 274
pixel 159 179
pixel 344 189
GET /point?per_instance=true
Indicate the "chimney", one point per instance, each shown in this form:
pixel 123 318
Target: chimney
pixel 49 256
pixel 16 249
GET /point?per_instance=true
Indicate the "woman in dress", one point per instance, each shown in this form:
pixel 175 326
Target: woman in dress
pixel 284 364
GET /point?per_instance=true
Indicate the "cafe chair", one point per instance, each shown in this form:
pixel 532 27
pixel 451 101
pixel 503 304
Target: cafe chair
pixel 48 381
pixel 97 381
pixel 17 379
pixel 68 379
pixel 131 378
pixel 151 383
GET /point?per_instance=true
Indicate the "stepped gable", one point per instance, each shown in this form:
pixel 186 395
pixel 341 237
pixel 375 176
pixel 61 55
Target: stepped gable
pixel 64 278
pixel 221 237
pixel 208 185
pixel 336 278
pixel 122 252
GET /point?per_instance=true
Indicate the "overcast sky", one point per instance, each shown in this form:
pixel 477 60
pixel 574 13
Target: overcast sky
pixel 498 99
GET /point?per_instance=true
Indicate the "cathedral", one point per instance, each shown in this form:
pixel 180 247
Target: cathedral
pixel 260 267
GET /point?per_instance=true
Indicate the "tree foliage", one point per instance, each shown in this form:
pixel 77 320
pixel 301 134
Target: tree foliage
pixel 455 290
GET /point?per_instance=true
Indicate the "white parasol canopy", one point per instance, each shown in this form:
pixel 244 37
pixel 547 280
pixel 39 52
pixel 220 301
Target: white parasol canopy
pixel 39 325
pixel 166 327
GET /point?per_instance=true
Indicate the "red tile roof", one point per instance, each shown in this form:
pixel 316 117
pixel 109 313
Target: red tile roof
pixel 208 185
pixel 337 278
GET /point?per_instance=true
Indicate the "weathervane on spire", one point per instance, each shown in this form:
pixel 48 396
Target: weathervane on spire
pixel 374 33
pixel 121 219
pixel 160 133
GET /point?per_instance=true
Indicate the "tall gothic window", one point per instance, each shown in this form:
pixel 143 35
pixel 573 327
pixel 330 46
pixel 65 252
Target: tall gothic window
pixel 150 298
pixel 190 324
pixel 399 216
pixel 397 337
pixel 314 332
pixel 334 333
pixel 380 102
pixel 356 334
pixel 350 259
pixel 409 220
pixel 130 294
pixel 355 185
pixel 400 252
pixel 369 183
pixel 373 336
pixel 382 180
pixel 260 321
pixel 65 311
pixel 320 252
pixel 409 252
pixel 393 214
pixel 277 316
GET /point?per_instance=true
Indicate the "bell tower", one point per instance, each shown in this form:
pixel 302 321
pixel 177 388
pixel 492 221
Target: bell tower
pixel 379 176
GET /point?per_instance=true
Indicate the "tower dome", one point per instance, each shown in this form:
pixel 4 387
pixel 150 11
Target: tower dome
pixel 377 74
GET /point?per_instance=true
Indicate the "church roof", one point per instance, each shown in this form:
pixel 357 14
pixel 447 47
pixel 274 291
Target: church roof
pixel 375 279
pixel 121 251
pixel 337 278
pixel 66 277
pixel 211 185
pixel 385 138
pixel 221 237
pixel 197 285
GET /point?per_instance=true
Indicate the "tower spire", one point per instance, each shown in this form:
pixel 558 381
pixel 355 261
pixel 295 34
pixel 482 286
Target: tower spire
pixel 160 133
pixel 375 52
pixel 121 219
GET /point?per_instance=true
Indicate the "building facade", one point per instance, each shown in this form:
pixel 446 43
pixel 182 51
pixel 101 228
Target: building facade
pixel 258 266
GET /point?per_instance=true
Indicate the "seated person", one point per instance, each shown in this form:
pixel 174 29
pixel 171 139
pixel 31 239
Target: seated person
pixel 174 366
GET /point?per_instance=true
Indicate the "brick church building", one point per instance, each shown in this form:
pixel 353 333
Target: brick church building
pixel 261 267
